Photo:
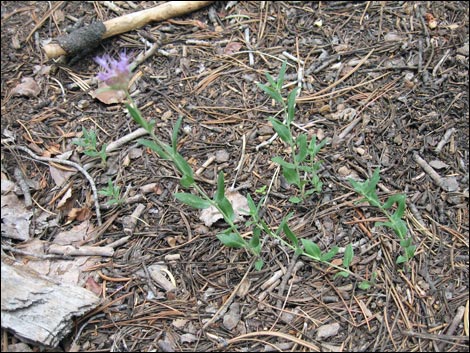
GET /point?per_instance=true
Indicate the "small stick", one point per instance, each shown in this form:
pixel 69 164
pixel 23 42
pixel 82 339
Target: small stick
pixel 129 222
pixel 207 163
pixel 125 139
pixel 250 52
pixel 444 140
pixel 71 164
pixel 28 202
pixel 84 250
pixel 447 184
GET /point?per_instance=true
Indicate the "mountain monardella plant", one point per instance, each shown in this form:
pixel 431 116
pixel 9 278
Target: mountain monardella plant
pixel 117 73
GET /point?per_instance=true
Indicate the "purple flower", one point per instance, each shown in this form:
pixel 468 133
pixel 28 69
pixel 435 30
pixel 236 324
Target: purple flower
pixel 117 73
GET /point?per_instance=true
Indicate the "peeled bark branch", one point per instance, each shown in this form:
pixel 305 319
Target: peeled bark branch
pixel 86 38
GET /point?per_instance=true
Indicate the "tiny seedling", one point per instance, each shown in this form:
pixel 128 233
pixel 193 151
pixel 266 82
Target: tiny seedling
pixel 395 222
pixel 89 145
pixel 113 193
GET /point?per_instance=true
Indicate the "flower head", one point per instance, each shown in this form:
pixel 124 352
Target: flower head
pixel 117 73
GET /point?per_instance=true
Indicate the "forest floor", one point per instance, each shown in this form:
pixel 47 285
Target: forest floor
pixel 383 84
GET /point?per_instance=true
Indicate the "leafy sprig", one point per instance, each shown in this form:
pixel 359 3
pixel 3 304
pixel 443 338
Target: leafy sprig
pixel 395 219
pixel 301 169
pixel 89 144
pixel 113 192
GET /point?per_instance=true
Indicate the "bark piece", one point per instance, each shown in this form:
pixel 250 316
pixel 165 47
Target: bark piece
pixel 37 309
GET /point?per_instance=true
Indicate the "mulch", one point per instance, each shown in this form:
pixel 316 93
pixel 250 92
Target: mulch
pixel 385 82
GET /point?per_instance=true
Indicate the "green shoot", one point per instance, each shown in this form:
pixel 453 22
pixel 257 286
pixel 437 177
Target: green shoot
pixel 89 145
pixel 113 193
pixel 302 167
pixel 395 222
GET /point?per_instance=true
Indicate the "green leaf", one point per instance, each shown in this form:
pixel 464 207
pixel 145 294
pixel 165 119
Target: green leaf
pixel 401 259
pixel 290 235
pixel 232 240
pixel 330 254
pixel 311 248
pixel 400 228
pixel 370 187
pixel 295 199
pixel 186 181
pixel 271 80
pixel 291 176
pixel 282 130
pixel 251 205
pixel 220 193
pixel 192 200
pixel 301 142
pixel 280 77
pixel 272 93
pixel 291 105
pixel 342 274
pixel 226 208
pixel 174 135
pixel 365 285
pixel 154 147
pixel 135 114
pixel 184 168
pixel 348 256
pixel 279 160
pixel 261 190
pixel 254 242
pixel 410 251
pixel 399 199
pixel 259 264
pixel 313 148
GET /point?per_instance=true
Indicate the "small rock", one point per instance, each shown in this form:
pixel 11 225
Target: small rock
pixel 222 156
pixel 326 331
pixel 463 50
pixel 232 317
pixel 360 150
pixel 344 171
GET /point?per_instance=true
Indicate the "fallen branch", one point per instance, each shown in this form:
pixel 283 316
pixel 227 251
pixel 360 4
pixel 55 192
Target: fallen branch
pixel 87 38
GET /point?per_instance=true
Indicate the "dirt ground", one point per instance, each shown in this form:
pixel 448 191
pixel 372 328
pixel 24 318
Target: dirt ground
pixel 385 83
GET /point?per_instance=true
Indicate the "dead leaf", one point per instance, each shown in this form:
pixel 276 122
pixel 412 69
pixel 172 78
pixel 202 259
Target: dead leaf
pixel 93 286
pixel 437 164
pixel 431 20
pixel 179 323
pixel 63 201
pixel 108 96
pixel 79 214
pixel 75 235
pixel 239 204
pixel 28 87
pixel 188 338
pixel 232 48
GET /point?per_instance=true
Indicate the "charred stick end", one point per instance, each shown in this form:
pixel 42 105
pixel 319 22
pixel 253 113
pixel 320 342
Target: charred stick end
pixel 81 40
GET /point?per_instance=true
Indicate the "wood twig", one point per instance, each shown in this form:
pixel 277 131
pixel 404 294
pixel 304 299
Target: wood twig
pixel 70 164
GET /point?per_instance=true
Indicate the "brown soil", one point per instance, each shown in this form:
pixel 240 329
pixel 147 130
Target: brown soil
pixel 381 66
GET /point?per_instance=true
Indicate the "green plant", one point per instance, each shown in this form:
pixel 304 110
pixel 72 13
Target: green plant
pixel 302 168
pixel 395 222
pixel 198 198
pixel 113 193
pixel 89 145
